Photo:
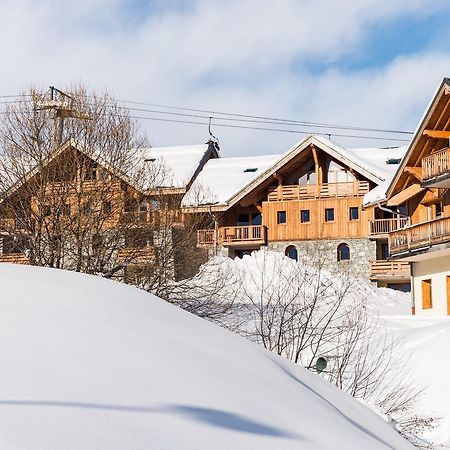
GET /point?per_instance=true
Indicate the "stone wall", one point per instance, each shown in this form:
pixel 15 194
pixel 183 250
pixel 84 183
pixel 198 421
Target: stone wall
pixel 323 253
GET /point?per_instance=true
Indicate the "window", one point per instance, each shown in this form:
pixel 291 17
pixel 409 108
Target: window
pixel 143 206
pixel 106 207
pixel 343 252
pixel 291 252
pixel 91 173
pixel 242 220
pixel 281 217
pixel 329 214
pixel 427 299
pixel 384 248
pixel 86 208
pixel 256 219
pixel 353 213
pixel 305 216
pixel 438 210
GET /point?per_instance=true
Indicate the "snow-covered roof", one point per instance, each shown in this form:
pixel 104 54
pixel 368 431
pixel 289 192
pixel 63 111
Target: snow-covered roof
pixel 179 163
pixel 378 159
pixel 223 179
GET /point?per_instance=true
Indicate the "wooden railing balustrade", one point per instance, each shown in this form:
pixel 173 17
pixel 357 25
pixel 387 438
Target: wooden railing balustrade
pixel 436 164
pixel 421 235
pixel 325 190
pixel 385 226
pixel 14 258
pixel 389 269
pixel 235 234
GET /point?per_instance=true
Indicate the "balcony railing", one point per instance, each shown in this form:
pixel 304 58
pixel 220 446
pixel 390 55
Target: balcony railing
pixel 169 217
pixel 232 235
pixel 326 190
pixel 436 164
pixel 136 253
pixel 421 235
pixel 385 226
pixel 14 258
pixel 389 269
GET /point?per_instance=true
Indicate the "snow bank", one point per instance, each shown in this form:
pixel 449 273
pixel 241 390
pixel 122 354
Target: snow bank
pixel 93 364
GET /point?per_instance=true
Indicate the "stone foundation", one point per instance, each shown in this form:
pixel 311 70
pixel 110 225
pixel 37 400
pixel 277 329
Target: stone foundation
pixel 323 253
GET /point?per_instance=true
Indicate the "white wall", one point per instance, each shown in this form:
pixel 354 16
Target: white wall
pixel 437 270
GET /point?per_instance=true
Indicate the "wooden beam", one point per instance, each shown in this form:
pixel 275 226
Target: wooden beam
pixel 415 171
pixel 316 169
pixel 404 195
pixel 259 208
pixel 437 134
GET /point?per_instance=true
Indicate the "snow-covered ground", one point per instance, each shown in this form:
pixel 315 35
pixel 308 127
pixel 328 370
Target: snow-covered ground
pixel 87 363
pixel 421 343
pixel 426 343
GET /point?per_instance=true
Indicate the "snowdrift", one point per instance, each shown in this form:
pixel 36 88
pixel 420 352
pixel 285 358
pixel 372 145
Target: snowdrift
pixel 92 364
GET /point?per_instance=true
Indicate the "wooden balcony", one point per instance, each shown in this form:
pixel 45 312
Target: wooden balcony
pixel 326 190
pixel 229 236
pixel 169 217
pixel 136 253
pixel 385 226
pixel 14 258
pixel 436 169
pixel 420 236
pixel 389 270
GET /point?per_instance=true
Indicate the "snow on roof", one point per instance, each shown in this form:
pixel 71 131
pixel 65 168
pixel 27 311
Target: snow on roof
pixel 221 178
pixel 378 158
pixel 179 162
pixel 94 364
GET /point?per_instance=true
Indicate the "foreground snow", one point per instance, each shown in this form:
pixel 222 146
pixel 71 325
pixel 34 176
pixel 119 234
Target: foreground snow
pixel 425 341
pixel 92 364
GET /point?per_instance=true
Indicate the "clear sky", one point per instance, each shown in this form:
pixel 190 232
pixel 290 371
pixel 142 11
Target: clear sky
pixel 367 63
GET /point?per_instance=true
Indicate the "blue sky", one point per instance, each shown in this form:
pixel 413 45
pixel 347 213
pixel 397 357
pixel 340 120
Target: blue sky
pixel 358 62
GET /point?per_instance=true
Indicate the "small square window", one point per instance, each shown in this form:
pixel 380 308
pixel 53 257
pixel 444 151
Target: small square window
pixel 281 217
pixel 305 216
pixel 329 214
pixel 353 213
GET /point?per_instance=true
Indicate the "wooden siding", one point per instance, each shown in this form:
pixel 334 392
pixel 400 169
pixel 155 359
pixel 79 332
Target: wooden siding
pixel 317 228
pixel 382 269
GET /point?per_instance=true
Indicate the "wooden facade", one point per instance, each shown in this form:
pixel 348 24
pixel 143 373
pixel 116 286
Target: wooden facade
pixel 84 198
pixel 315 195
pixel 421 189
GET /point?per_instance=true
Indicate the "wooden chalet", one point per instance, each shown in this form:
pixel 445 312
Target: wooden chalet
pixel 420 190
pixel 78 185
pixel 306 203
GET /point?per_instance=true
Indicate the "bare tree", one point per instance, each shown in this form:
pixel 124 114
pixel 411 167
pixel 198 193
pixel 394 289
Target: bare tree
pixel 73 185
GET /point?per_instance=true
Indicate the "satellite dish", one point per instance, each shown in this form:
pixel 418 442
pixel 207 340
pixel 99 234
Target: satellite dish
pixel 321 364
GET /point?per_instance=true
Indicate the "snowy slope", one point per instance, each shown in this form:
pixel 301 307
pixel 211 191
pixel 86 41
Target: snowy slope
pixel 92 364
pixel 423 347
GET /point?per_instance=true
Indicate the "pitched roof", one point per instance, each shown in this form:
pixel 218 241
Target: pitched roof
pixel 181 163
pixel 223 182
pixel 437 105
pixel 221 178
